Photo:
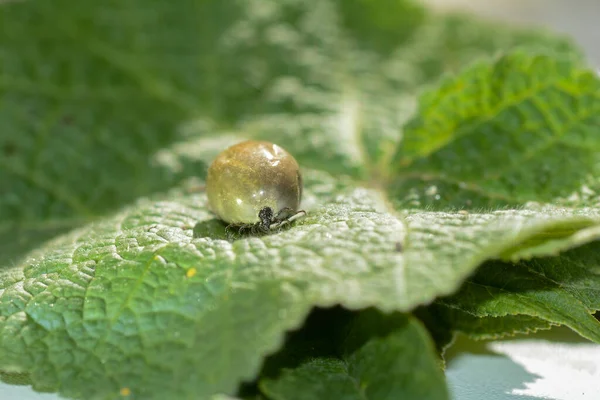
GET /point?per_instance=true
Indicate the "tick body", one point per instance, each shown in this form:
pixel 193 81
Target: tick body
pixel 256 184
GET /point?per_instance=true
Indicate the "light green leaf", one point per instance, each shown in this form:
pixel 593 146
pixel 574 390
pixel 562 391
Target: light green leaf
pixel 399 363
pixel 521 130
pixel 553 242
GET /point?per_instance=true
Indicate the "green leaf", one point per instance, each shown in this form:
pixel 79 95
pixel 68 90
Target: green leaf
pixel 112 304
pixel 551 290
pixel 522 130
pixel 113 272
pixel 399 362
pixel 444 322
pixel 552 243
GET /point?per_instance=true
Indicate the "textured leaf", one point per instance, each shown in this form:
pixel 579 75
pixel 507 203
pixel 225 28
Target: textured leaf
pixel 120 291
pixel 114 275
pixel 555 290
pixel 444 322
pixel 397 363
pixel 522 130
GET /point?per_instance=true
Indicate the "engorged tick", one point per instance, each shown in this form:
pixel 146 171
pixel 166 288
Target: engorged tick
pixel 255 185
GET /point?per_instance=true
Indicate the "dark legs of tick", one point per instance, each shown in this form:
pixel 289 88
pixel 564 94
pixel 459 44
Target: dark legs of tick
pixel 285 216
pixel 267 222
pixel 235 231
pixel 229 231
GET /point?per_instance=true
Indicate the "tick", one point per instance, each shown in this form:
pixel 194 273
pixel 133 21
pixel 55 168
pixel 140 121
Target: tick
pixel 255 185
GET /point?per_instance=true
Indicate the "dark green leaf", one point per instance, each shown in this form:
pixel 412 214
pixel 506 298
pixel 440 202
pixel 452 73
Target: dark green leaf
pixel 562 290
pixel 398 364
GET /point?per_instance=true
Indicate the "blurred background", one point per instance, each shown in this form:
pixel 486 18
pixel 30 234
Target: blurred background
pixel 577 18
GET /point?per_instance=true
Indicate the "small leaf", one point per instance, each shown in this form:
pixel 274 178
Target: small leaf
pixel 399 364
pixel 559 290
pixel 443 322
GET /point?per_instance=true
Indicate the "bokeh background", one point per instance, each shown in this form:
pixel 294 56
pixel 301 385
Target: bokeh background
pixel 578 18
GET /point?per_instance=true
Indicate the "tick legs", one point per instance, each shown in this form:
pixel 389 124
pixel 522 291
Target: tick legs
pixel 285 216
